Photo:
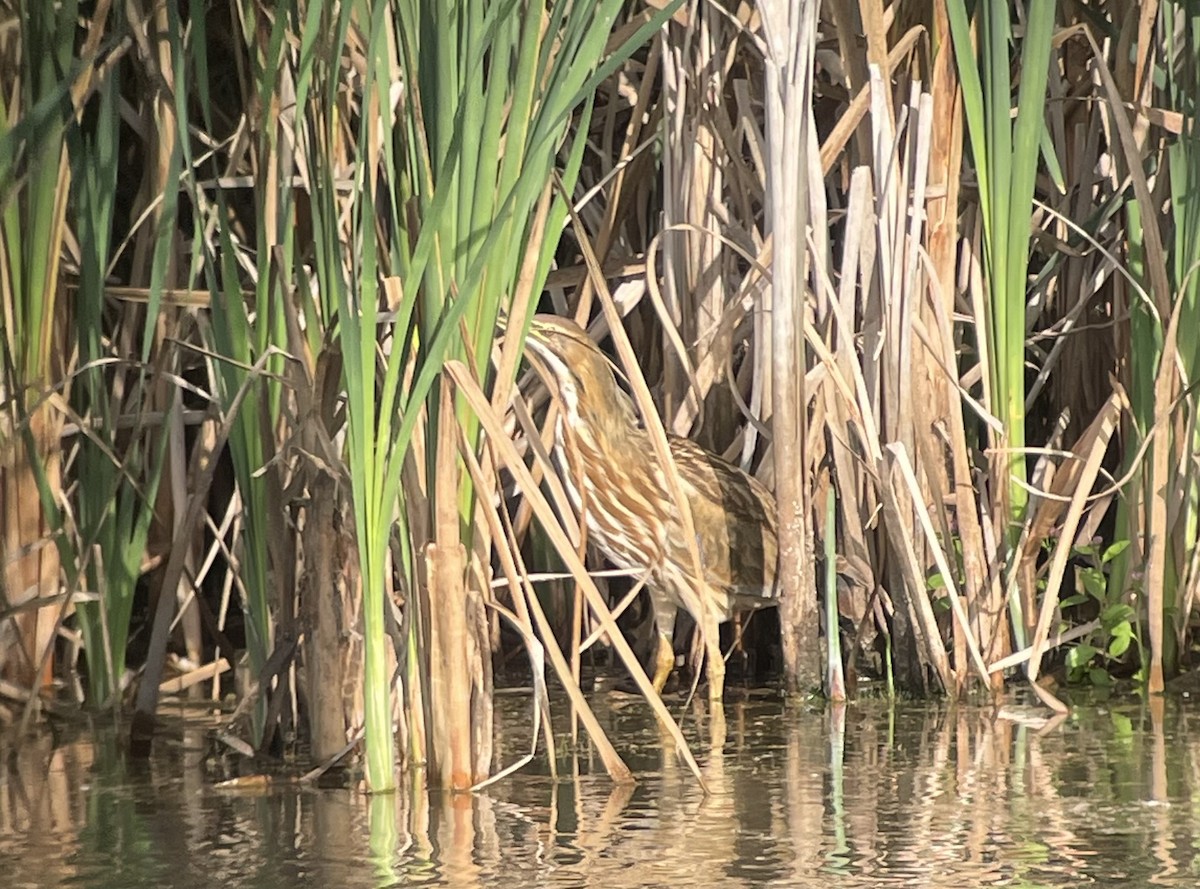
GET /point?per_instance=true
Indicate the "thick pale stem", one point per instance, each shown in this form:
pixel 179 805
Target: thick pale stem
pixel 790 35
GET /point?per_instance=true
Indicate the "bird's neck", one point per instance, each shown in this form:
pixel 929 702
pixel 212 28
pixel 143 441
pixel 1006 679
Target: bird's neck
pixel 620 433
pixel 614 430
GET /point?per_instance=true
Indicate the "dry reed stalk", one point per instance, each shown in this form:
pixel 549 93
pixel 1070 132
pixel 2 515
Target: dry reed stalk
pixel 509 555
pixel 30 561
pixel 693 599
pixel 507 455
pixel 324 611
pixel 1094 445
pixel 695 71
pixel 1131 137
pixel 33 233
pixel 941 435
pixel 962 621
pixel 445 565
pixel 858 500
pixel 142 724
pixel 790 33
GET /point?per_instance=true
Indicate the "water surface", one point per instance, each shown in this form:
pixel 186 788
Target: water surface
pixel 866 797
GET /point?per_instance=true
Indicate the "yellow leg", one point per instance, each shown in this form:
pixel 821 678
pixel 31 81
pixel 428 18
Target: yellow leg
pixel 664 662
pixel 714 663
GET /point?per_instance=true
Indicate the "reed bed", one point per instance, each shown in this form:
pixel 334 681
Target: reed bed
pixel 928 270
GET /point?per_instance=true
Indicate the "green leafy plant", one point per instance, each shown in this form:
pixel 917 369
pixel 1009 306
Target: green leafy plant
pixel 1116 633
pixel 1006 151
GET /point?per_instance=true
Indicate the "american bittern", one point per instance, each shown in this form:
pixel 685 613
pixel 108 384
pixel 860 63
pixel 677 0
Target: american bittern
pixel 601 451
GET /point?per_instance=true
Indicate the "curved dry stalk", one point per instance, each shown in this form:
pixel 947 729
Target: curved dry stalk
pixel 1101 432
pixel 509 457
pixel 693 600
pixel 897 453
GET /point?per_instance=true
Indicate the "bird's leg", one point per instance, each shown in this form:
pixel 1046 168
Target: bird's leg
pixel 664 626
pixel 714 661
pixel 664 661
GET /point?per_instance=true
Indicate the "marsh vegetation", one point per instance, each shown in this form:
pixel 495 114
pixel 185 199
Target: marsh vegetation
pixel 926 270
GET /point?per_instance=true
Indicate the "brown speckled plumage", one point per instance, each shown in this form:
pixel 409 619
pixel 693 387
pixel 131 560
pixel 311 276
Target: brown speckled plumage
pixel 602 452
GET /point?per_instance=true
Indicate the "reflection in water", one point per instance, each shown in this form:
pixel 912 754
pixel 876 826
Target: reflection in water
pixel 856 796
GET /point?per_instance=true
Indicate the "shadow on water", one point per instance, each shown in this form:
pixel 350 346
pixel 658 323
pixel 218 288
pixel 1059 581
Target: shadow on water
pixel 862 796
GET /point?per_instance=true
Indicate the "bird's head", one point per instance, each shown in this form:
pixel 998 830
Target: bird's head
pixel 581 372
